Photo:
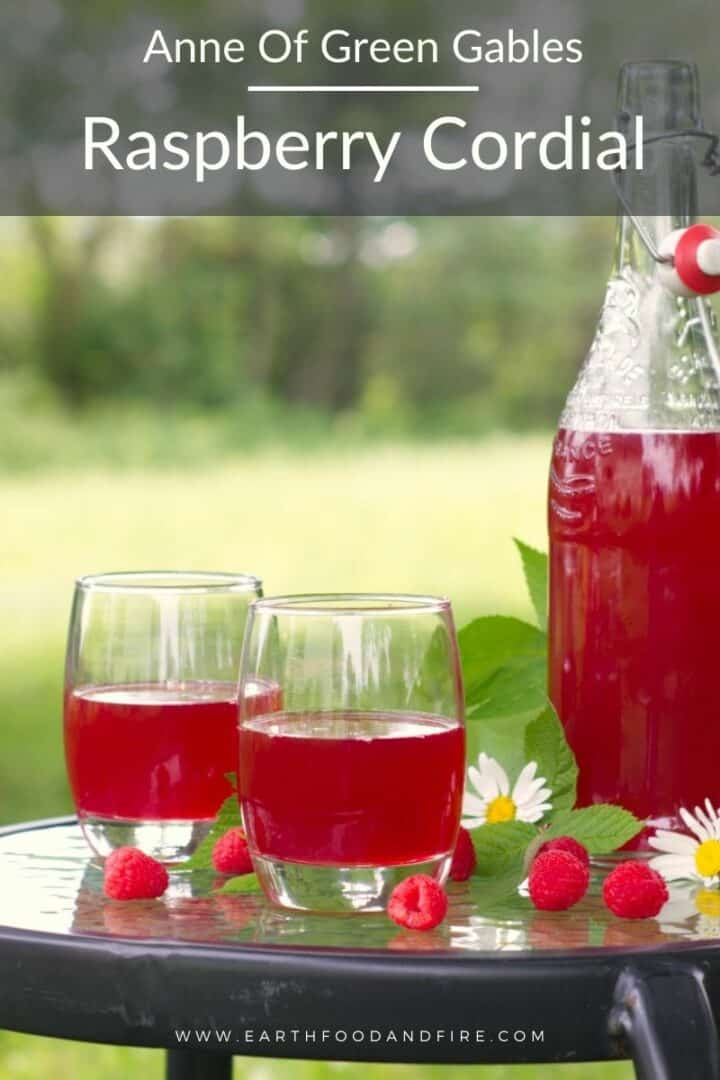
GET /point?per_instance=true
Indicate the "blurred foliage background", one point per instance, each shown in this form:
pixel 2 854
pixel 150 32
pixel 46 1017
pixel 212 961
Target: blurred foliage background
pixel 249 332
pixel 333 404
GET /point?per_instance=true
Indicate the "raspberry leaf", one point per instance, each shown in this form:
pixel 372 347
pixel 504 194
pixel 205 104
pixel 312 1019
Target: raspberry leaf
pixel 491 641
pixel 504 662
pixel 520 686
pixel 500 848
pixel 602 828
pixel 243 883
pixel 228 818
pixel 499 896
pixel 501 738
pixel 535 567
pixel 546 744
pixel 596 932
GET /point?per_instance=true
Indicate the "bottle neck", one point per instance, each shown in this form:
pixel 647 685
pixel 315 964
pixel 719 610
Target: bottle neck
pixel 666 95
pixel 653 365
pixel 663 197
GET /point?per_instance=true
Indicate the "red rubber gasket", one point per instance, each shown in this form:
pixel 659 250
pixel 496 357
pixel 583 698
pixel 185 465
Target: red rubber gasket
pixel 686 264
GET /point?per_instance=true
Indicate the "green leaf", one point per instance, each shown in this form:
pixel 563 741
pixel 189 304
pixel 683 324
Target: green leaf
pixel 504 667
pixel 596 933
pixel 498 895
pixel 535 565
pixel 519 686
pixel 502 738
pixel 492 641
pixel 602 828
pixel 243 883
pixel 228 818
pixel 231 778
pixel 500 848
pixel 545 743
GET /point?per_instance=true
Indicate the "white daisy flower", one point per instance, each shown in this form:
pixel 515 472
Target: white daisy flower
pixel 694 858
pixel 687 901
pixel 692 909
pixel 494 802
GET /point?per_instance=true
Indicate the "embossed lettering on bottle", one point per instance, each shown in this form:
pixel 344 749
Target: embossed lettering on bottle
pixel 634 507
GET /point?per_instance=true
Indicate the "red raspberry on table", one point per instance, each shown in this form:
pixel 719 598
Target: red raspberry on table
pixel 146 920
pixel 557 881
pixel 633 890
pixel 464 859
pixel 569 844
pixel 132 875
pixel 230 853
pixel 238 911
pixel 419 902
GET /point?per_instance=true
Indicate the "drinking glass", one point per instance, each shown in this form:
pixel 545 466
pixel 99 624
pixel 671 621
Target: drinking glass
pixel 151 705
pixel 353 779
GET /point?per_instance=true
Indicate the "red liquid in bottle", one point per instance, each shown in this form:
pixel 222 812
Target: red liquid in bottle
pixel 352 789
pixel 634 605
pixel 155 752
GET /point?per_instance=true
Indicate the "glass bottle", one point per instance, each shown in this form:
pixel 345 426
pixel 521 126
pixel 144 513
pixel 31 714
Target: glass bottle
pixel 634 503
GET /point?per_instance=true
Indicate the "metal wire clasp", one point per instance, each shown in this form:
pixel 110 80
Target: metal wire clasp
pixel 711 162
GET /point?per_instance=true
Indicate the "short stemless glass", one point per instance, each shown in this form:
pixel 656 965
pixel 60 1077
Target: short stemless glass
pixel 353 780
pixel 151 705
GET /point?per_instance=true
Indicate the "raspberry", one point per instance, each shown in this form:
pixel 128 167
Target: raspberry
pixel 633 890
pixel 634 932
pixel 238 911
pixel 417 941
pixel 419 903
pixel 132 875
pixel 230 854
pixel 557 881
pixel 464 859
pixel 569 844
pixel 148 920
pixel 546 931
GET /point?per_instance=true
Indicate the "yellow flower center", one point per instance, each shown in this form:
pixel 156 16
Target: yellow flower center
pixel 503 809
pixel 707 858
pixel 707 901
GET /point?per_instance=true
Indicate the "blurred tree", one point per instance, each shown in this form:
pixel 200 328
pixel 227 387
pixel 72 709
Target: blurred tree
pixel 452 323
pixel 445 324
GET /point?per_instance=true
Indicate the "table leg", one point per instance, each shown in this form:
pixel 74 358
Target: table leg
pixel 190 1065
pixel 665 1022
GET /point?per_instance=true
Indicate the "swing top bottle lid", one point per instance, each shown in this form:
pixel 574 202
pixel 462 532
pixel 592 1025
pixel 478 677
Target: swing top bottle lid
pixel 693 267
pixel 666 93
pixel 653 364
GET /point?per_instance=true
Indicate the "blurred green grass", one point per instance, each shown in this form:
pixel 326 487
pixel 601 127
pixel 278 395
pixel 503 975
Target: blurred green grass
pixel 437 519
pixel 22 1058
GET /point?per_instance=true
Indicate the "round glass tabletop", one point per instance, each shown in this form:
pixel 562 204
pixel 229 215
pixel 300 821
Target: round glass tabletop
pixel 504 983
pixel 51 885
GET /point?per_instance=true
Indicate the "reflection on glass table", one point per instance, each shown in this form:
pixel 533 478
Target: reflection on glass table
pixel 50 884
